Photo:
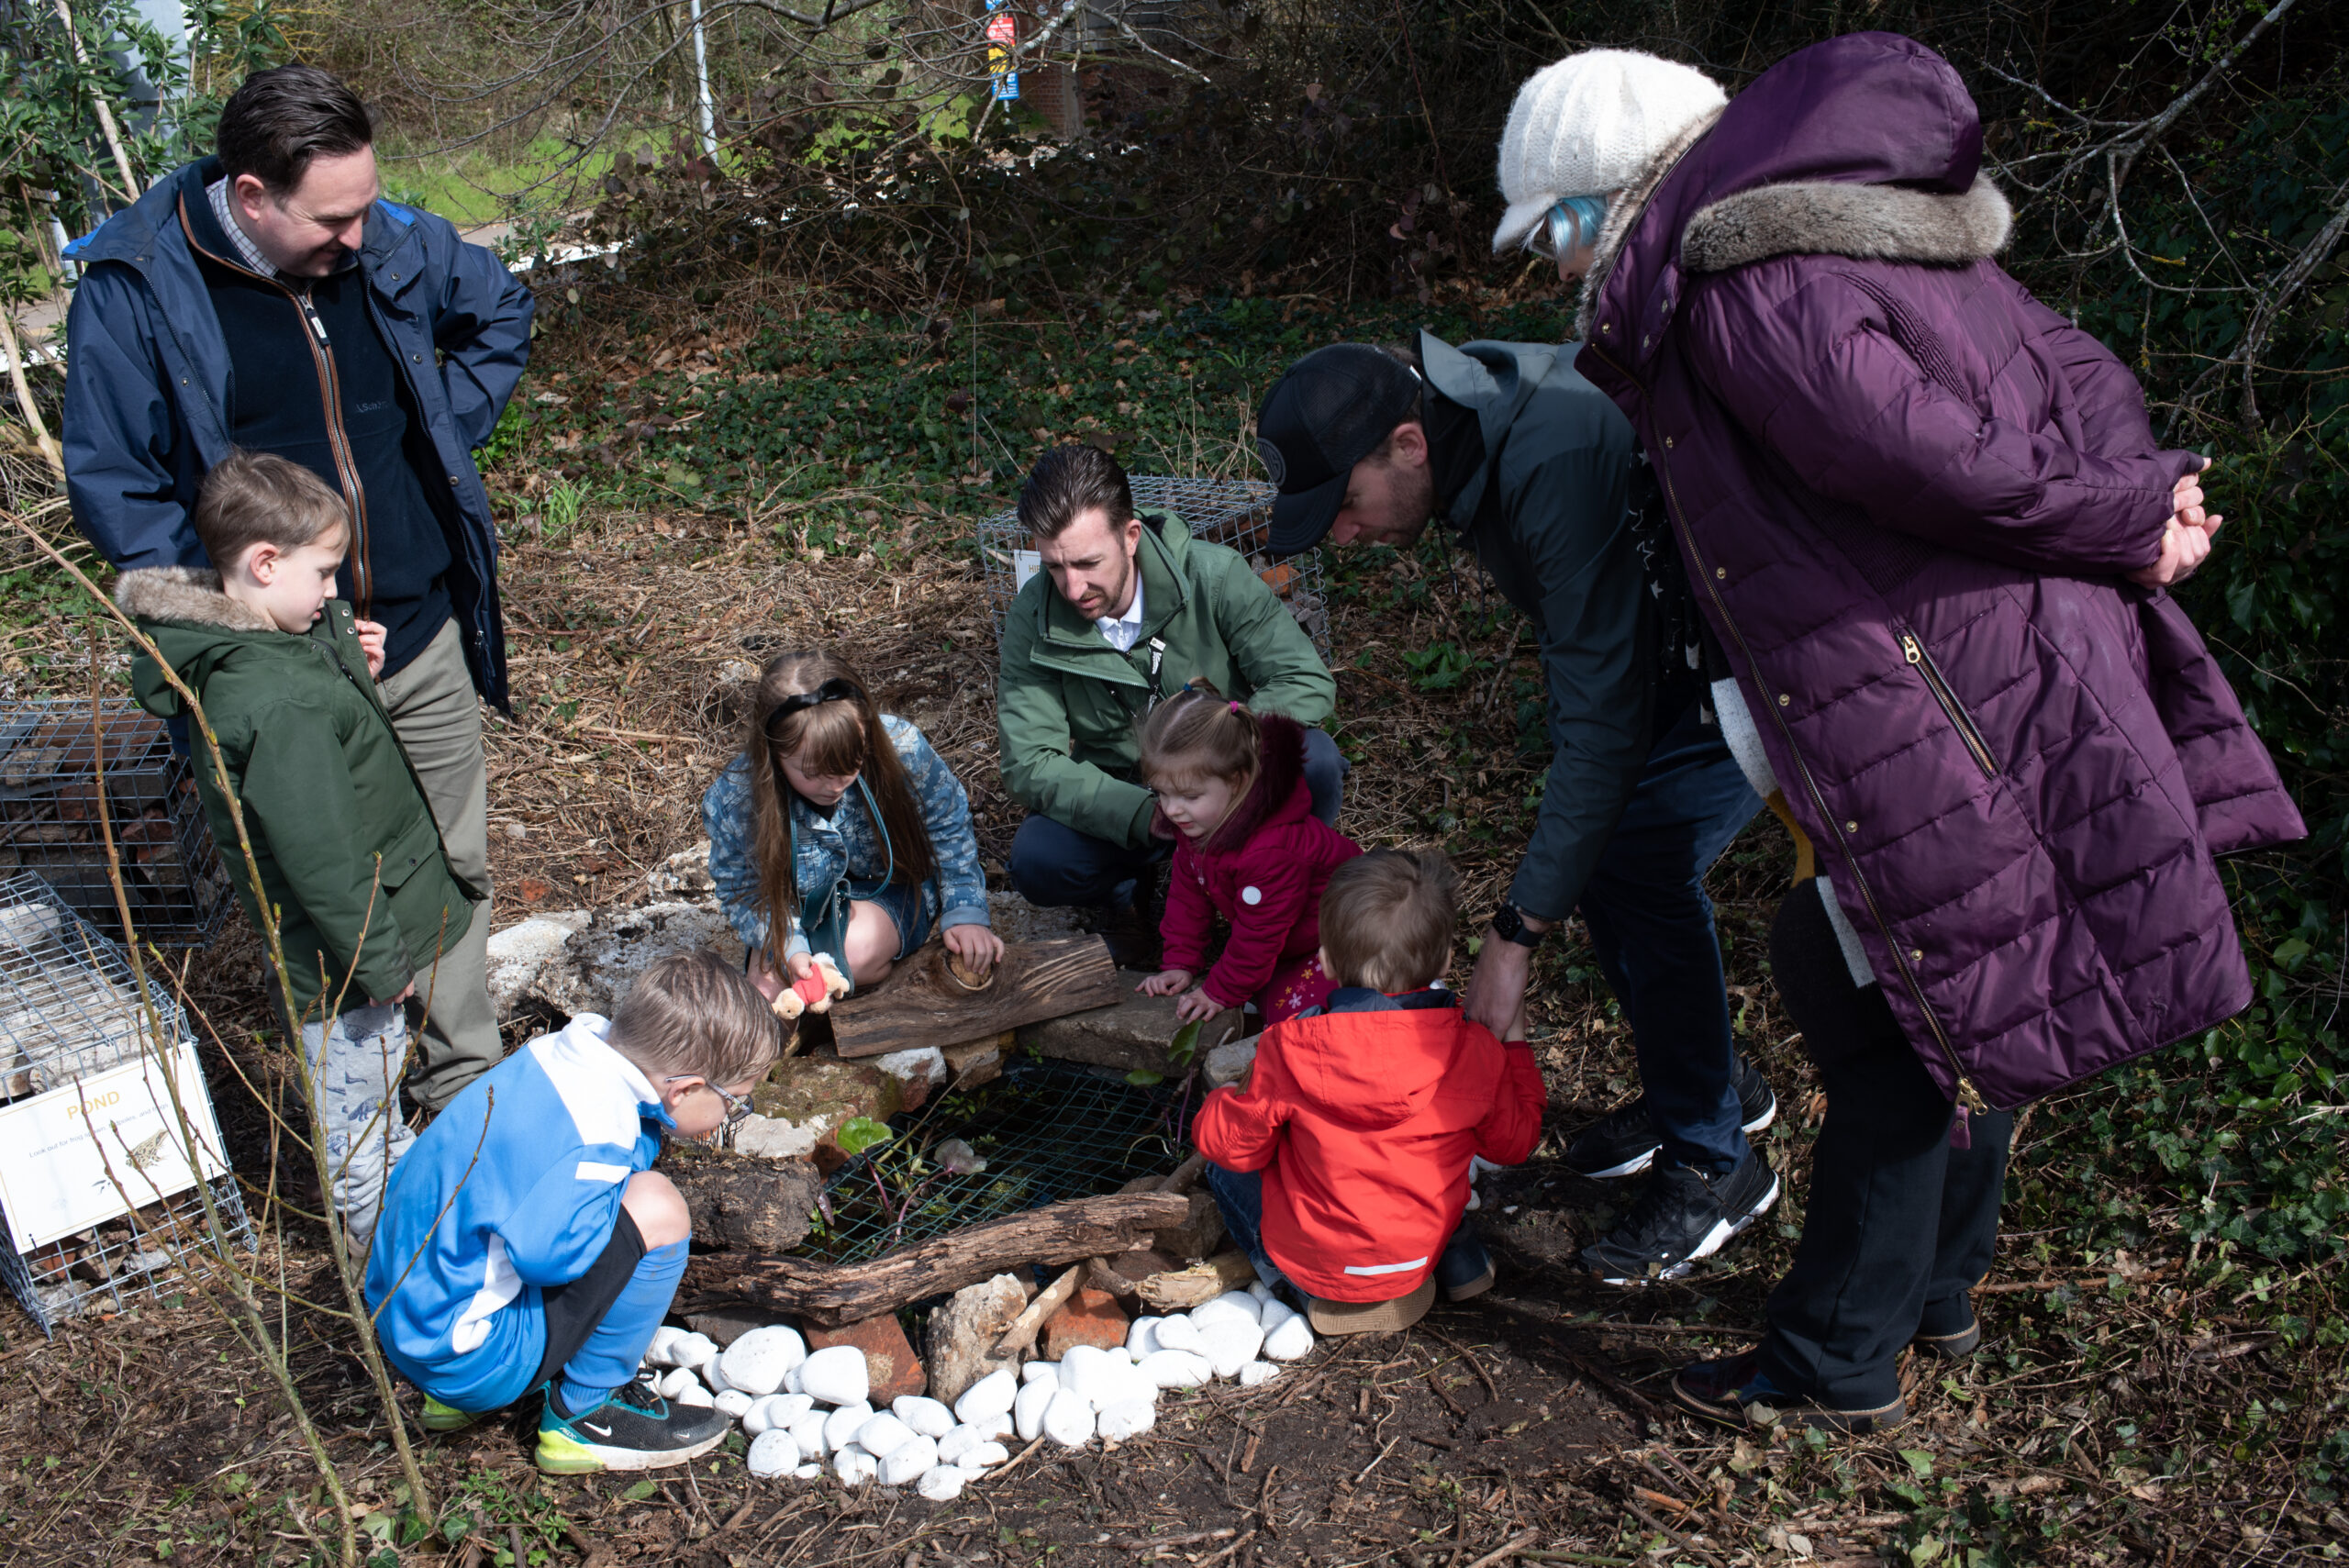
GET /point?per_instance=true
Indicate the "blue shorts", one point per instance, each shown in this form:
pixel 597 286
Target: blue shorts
pixel 910 906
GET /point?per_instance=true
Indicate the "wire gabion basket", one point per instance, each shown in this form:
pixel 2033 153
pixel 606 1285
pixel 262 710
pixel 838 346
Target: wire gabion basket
pixel 1237 513
pixel 178 890
pixel 70 1015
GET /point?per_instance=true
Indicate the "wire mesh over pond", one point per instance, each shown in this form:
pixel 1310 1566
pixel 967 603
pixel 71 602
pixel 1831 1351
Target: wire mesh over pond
pixel 1046 1131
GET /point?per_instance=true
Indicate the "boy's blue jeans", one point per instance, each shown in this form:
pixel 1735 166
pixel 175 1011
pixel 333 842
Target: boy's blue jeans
pixel 1239 1198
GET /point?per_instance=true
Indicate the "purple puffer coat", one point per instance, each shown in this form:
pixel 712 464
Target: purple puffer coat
pixel 1906 492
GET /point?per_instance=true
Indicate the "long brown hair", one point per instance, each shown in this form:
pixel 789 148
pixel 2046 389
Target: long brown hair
pixel 828 738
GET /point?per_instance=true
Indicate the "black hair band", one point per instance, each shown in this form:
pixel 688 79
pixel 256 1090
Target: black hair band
pixel 834 690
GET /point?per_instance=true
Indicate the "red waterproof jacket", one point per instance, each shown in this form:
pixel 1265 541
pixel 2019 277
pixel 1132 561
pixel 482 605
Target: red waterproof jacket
pixel 1264 870
pixel 1363 1124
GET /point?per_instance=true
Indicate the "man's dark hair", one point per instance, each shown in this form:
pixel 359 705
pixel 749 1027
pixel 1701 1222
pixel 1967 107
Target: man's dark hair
pixel 273 125
pixel 1069 481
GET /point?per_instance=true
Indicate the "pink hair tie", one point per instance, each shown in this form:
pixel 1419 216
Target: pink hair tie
pixel 1235 708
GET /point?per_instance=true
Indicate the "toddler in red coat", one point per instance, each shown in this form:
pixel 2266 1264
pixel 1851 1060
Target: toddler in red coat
pixel 1341 1163
pixel 1248 848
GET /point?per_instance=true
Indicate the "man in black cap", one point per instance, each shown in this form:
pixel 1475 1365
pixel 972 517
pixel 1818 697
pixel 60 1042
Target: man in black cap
pixel 1540 473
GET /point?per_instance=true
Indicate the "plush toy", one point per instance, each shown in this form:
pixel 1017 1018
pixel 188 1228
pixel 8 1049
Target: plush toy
pixel 823 986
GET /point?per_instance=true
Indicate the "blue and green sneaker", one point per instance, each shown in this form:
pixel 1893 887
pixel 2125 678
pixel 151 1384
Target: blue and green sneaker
pixel 440 1418
pixel 633 1428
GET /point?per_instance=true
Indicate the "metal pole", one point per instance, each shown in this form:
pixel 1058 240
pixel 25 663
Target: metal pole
pixel 701 85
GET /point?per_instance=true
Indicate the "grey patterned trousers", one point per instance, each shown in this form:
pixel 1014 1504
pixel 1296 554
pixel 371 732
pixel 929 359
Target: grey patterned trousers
pixel 355 1061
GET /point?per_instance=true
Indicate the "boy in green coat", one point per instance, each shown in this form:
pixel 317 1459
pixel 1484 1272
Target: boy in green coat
pixel 349 854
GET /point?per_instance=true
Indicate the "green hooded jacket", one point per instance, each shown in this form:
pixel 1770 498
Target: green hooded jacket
pixel 1066 702
pixel 325 785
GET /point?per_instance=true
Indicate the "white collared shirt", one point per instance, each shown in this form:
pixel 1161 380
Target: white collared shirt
pixel 1123 631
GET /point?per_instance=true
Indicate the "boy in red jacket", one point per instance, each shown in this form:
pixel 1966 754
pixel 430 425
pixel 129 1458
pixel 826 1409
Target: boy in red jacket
pixel 1340 1163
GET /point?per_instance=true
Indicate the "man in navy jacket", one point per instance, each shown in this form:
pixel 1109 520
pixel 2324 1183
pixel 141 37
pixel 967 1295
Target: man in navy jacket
pixel 268 298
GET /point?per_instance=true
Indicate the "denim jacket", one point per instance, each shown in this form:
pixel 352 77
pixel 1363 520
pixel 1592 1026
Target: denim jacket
pixel 846 842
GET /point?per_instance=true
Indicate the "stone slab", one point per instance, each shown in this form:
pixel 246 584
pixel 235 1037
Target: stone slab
pixel 1131 1035
pixel 517 953
pixel 601 960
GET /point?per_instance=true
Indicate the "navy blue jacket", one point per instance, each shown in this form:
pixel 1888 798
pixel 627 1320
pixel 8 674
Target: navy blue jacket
pixel 148 384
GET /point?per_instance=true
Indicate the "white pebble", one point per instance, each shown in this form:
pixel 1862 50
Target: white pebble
pixel 941 1483
pixel 675 1381
pixel 1232 1305
pixel 925 1416
pixel 692 1350
pixel 697 1396
pixel 986 1455
pixel 1076 1361
pixel 735 1403
pixel 714 1375
pixel 1276 1313
pixel 1035 1370
pixel 1255 1373
pixel 909 1460
pixel 1098 1379
pixel 664 1339
pixel 839 1427
pixel 806 1429
pixel 1068 1420
pixel 836 1375
pixel 992 1426
pixel 1027 1413
pixel 757 1362
pixel 1291 1340
pixel 791 1382
pixel 1141 1337
pixel 991 1396
pixel 854 1466
pixel 883 1435
pixel 957 1444
pixel 1179 1333
pixel 1123 1385
pixel 1177 1369
pixel 775 1413
pixel 772 1453
pixel 1127 1418
pixel 1262 1292
pixel 808 1472
pixel 1231 1345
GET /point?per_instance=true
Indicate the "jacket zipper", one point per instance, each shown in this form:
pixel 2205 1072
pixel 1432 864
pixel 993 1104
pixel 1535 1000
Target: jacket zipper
pixel 346 466
pixel 1966 1092
pixel 1914 652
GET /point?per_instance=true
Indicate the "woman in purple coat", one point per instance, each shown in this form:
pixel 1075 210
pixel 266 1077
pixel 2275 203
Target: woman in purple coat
pixel 1932 532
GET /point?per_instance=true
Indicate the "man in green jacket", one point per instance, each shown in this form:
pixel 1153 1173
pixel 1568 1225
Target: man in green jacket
pixel 348 855
pixel 1128 609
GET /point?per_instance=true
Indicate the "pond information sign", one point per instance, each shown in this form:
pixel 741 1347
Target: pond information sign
pixel 57 1149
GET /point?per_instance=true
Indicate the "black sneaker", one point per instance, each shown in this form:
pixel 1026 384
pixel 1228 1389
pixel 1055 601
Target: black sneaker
pixel 633 1428
pixel 1623 1142
pixel 1736 1392
pixel 1681 1216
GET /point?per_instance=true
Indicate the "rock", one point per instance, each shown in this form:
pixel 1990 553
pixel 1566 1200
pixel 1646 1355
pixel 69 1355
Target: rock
pixel 1292 1338
pixel 915 1071
pixel 839 1427
pixel 1141 1336
pixel 742 1200
pixel 985 1456
pixel 961 1442
pixel 693 1396
pixel 684 877
pixel 791 1379
pixel 1230 1345
pixel 1089 1317
pixel 805 1101
pixel 854 1466
pixel 884 1433
pixel 1015 919
pixel 835 1375
pixel 756 1363
pixel 942 1482
pixel 808 1472
pixel 735 1403
pixel 909 1460
pixel 1226 1062
pixel 1177 1369
pixel 1068 1419
pixel 772 1453
pixel 1255 1373
pixel 1027 1410
pixel 1041 1372
pixel 991 1396
pixel 891 1367
pixel 1179 1333
pixel 600 961
pixel 992 1428
pixel 1234 1305
pixel 1128 1269
pixel 1200 1235
pixel 980 1061
pixel 775 1413
pixel 1102 1379
pixel 962 1334
pixel 1127 1418
pixel 722 1328
pixel 1270 1312
pixel 518 953
pixel 928 1416
pixel 1263 1293
pixel 675 1381
pixel 806 1429
pixel 1130 1035
pixel 664 1340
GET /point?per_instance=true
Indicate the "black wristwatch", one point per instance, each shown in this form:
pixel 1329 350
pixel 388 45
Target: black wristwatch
pixel 1510 926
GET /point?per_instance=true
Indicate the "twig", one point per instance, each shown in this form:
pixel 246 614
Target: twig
pixel 1136 1543
pixel 1511 1550
pixel 1492 1389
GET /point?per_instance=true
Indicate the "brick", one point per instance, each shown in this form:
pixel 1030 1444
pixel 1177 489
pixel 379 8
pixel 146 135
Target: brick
pixel 889 1359
pixel 980 1061
pixel 1090 1317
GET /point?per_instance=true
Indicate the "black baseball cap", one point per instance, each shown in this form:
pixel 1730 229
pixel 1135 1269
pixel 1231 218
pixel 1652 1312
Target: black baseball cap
pixel 1333 408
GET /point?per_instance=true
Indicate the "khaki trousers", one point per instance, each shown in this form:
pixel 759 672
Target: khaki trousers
pixel 437 715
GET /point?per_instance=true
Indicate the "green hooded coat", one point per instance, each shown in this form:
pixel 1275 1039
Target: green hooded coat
pixel 1066 702
pixel 324 782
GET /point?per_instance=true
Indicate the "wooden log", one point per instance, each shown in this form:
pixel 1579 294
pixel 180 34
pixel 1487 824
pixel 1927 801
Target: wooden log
pixel 923 1003
pixel 1022 1335
pixel 1199 1284
pixel 830 1294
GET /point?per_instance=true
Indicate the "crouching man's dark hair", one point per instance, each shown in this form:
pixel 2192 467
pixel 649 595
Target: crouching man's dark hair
pixel 1070 481
pixel 279 120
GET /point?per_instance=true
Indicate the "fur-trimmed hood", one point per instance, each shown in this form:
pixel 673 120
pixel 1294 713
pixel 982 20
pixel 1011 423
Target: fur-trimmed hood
pixel 1278 792
pixel 189 595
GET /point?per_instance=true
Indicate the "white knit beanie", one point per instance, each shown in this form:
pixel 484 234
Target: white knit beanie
pixel 1589 124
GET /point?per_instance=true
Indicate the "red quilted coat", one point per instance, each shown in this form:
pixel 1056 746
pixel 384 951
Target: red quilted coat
pixel 1363 1124
pixel 1264 870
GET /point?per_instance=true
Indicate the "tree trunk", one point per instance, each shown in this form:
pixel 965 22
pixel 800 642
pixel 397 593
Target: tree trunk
pixel 923 1003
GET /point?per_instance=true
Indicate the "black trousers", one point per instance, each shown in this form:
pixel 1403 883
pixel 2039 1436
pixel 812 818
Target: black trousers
pixel 1898 1226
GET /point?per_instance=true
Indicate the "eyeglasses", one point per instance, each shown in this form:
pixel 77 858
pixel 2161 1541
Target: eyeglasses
pixel 834 690
pixel 738 1106
pixel 1567 227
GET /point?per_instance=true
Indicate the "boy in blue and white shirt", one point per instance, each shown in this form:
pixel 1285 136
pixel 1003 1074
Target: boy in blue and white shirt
pixel 526 1243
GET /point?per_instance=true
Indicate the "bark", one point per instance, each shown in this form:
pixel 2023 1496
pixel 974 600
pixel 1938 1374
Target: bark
pixel 923 1003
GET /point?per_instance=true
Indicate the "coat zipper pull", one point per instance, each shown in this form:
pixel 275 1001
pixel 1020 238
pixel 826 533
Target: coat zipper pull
pixel 1971 1097
pixel 1909 648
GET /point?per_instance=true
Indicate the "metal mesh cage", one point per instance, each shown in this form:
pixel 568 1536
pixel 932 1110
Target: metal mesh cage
pixel 177 888
pixel 138 1257
pixel 1046 1131
pixel 1234 512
